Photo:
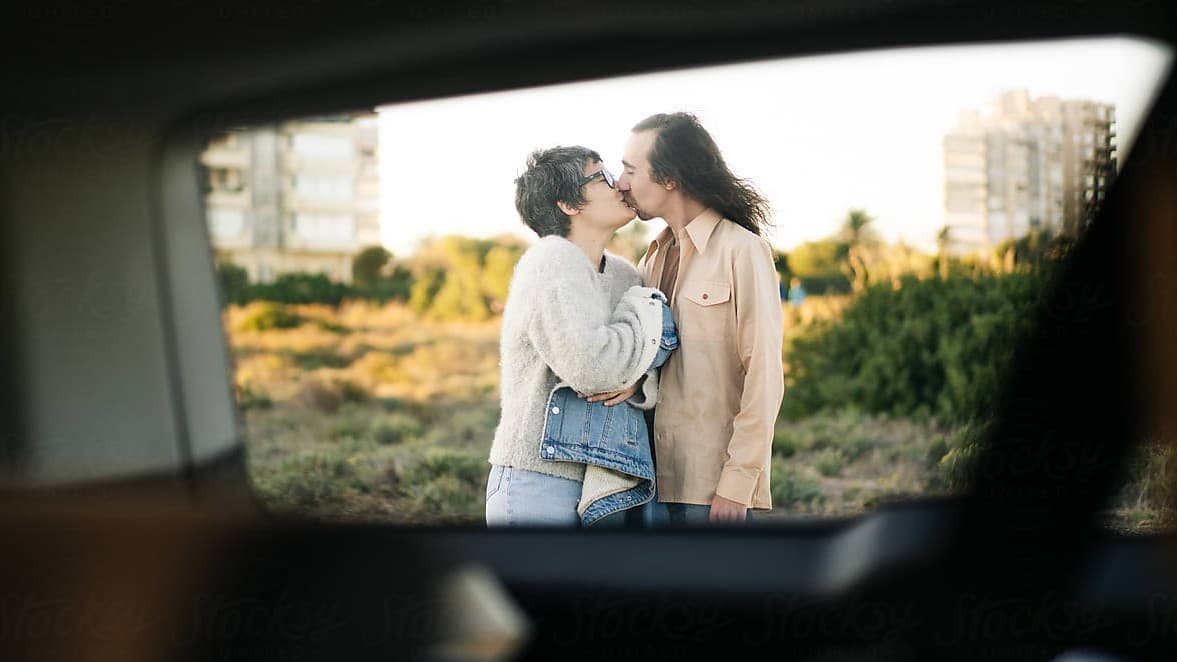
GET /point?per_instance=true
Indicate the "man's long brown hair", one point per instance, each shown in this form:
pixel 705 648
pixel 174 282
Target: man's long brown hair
pixel 685 153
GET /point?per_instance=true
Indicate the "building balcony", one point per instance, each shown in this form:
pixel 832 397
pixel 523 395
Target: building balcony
pixel 300 203
pixel 226 157
pixel 243 241
pixel 228 199
pixel 319 244
pixel 292 163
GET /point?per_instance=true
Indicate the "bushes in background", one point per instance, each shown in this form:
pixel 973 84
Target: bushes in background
pixel 933 347
pixel 266 315
pixel 449 279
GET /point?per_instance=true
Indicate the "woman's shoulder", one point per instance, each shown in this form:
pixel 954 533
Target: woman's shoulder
pixel 551 258
pixel 552 249
pixel 622 268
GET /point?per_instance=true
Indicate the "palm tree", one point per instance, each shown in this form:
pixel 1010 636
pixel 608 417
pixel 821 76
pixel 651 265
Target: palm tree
pixel 855 236
pixel 856 230
pixel 943 240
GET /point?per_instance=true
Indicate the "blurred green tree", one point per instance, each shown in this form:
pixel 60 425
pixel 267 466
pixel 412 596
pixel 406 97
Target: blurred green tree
pixel 367 266
pixel 819 266
pixel 234 284
pixel 496 275
pixel 425 287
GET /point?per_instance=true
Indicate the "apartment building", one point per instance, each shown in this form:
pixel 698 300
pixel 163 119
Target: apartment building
pixel 300 196
pixel 1023 164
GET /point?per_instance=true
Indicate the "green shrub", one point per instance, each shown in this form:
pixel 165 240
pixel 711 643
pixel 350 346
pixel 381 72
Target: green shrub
pixel 367 265
pixel 310 479
pixel 250 398
pixel 330 326
pixel 931 347
pixel 265 315
pixel 464 424
pixel 234 284
pixel 447 496
pixel 300 288
pixel 936 452
pixel 319 395
pixel 819 266
pixel 791 487
pixel 424 289
pixel 349 426
pixel 466 466
pixel 395 428
pixel 847 431
pixel 783 444
pixel 318 358
pixel 955 466
pixel 830 462
pixel 447 483
pixel 350 391
pixel 390 403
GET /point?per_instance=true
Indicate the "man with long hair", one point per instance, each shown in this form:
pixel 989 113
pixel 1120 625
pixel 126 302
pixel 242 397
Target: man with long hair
pixel 721 392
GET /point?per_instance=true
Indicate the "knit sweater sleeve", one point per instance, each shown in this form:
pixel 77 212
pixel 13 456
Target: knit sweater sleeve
pixel 594 355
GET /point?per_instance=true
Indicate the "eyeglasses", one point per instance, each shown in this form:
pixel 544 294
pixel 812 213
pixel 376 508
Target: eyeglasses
pixel 602 173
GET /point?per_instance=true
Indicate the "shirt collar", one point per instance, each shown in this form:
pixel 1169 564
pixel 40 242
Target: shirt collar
pixel 702 227
pixel 699 230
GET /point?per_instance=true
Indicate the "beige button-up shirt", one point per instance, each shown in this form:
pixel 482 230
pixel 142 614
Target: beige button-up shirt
pixel 720 393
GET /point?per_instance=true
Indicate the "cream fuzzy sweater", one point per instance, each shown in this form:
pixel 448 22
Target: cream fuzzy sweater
pixel 565 323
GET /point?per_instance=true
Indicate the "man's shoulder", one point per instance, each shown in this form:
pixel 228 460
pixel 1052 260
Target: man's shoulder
pixel 733 236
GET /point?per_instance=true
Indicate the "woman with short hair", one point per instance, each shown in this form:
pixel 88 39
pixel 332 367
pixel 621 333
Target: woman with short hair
pixel 577 321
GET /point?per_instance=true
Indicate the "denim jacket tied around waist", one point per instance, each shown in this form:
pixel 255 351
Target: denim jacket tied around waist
pixel 612 441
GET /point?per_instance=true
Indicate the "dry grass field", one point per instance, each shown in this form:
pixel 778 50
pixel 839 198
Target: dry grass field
pixel 366 412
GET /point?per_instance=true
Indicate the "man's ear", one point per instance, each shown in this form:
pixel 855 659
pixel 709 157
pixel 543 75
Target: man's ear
pixel 671 185
pixel 568 209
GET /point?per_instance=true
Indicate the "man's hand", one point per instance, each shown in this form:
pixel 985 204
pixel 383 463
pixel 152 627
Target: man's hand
pixel 726 510
pixel 614 397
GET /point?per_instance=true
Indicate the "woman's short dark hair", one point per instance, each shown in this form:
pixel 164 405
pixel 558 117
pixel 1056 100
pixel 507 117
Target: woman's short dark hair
pixel 552 175
pixel 685 153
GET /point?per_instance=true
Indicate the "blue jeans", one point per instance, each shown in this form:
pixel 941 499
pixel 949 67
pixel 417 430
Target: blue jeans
pixel 679 514
pixel 684 514
pixel 518 497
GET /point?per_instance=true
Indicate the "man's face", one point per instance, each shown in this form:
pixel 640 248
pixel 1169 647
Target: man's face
pixel 647 197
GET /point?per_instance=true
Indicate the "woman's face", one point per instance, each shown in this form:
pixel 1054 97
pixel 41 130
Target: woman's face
pixel 604 206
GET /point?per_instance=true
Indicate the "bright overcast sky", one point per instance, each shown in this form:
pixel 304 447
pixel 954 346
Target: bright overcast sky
pixel 817 135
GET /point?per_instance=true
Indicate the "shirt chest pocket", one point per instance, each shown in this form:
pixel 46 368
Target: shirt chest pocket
pixel 706 311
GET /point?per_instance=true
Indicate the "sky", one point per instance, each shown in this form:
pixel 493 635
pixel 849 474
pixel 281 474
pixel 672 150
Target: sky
pixel 818 135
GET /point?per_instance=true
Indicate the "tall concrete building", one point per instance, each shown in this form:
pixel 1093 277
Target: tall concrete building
pixel 300 196
pixel 1023 164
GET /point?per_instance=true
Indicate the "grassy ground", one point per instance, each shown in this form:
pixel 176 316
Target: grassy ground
pixel 366 412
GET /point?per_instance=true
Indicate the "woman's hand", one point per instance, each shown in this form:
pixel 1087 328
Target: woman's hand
pixel 615 397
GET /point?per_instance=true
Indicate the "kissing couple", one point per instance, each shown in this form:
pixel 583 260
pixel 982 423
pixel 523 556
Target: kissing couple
pixel 638 396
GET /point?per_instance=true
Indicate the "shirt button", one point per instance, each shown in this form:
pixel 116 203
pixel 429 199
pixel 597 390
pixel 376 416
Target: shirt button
pixel 555 410
pixel 704 296
pixel 653 341
pixel 548 449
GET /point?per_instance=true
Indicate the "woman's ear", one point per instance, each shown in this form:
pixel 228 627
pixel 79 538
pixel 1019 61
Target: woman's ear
pixel 568 209
pixel 670 185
